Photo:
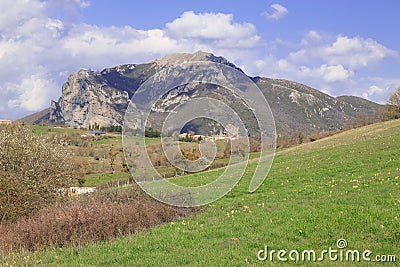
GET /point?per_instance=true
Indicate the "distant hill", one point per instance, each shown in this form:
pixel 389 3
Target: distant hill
pixel 101 97
pixel 38 117
pixel 361 103
pixel 298 107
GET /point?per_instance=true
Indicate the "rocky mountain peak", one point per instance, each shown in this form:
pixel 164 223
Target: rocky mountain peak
pixel 101 97
pixel 179 58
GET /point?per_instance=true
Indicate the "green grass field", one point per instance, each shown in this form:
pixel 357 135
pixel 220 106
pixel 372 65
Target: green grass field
pixel 43 130
pixel 343 187
pixel 114 139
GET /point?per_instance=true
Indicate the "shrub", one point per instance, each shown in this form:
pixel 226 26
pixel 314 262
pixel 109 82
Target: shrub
pixel 104 215
pixel 152 133
pixel 32 171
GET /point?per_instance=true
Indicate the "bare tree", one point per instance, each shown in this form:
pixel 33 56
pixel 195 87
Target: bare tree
pixel 392 110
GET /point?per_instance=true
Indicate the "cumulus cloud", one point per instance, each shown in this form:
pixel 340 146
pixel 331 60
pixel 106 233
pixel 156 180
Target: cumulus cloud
pixel 318 76
pixel 38 50
pixel 277 12
pixel 17 12
pixel 218 28
pixel 374 90
pixel 333 64
pixel 378 89
pixel 352 52
pixel 329 73
pixel 32 93
pixel 355 52
pixel 105 46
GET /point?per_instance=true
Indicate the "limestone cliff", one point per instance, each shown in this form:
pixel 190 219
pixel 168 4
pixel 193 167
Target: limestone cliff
pixel 86 102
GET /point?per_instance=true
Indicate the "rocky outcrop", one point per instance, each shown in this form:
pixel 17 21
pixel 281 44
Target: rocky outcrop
pixel 101 98
pixel 86 102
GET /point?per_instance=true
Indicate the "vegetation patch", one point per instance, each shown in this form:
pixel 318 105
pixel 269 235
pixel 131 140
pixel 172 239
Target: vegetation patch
pixel 344 186
pixel 84 220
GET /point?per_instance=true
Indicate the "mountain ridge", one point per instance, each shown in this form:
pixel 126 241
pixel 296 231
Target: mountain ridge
pixel 101 97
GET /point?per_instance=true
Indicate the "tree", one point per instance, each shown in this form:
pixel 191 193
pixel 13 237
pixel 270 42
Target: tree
pixel 113 156
pixel 33 171
pixel 392 110
pixel 151 133
pixel 81 168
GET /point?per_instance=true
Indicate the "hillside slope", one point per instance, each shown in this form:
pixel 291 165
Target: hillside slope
pixel 341 187
pixel 298 107
pixel 38 117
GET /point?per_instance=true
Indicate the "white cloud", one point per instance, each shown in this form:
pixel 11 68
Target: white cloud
pixel 355 52
pixel 277 12
pixel 335 73
pixel 330 74
pixel 105 46
pixel 322 75
pixel 311 38
pixel 372 91
pixel 39 50
pixel 351 52
pixel 218 28
pixel 17 12
pixel 33 93
pixel 334 64
pixel 35 46
pixel 377 89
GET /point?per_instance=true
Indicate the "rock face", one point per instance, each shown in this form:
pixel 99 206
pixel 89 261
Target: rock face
pixel 101 97
pixel 88 101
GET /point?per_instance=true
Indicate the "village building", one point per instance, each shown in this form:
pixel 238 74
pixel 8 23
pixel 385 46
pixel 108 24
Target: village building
pixel 72 191
pixel 5 122
pixel 197 137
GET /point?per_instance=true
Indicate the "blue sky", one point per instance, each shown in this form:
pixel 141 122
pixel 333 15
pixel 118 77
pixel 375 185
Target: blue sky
pixel 339 47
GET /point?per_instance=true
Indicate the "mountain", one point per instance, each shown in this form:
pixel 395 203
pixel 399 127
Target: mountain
pixel 298 107
pixel 361 103
pixel 38 117
pixel 101 98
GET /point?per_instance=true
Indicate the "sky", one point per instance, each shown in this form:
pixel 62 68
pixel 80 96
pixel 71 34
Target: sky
pixel 340 47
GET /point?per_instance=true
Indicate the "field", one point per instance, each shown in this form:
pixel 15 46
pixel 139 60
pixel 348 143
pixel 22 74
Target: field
pixel 44 130
pixel 346 186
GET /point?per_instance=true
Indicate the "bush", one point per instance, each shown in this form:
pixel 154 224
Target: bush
pixel 32 171
pixel 152 133
pixel 112 129
pixel 87 219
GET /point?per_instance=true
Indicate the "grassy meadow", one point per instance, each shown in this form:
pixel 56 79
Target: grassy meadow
pixel 346 186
